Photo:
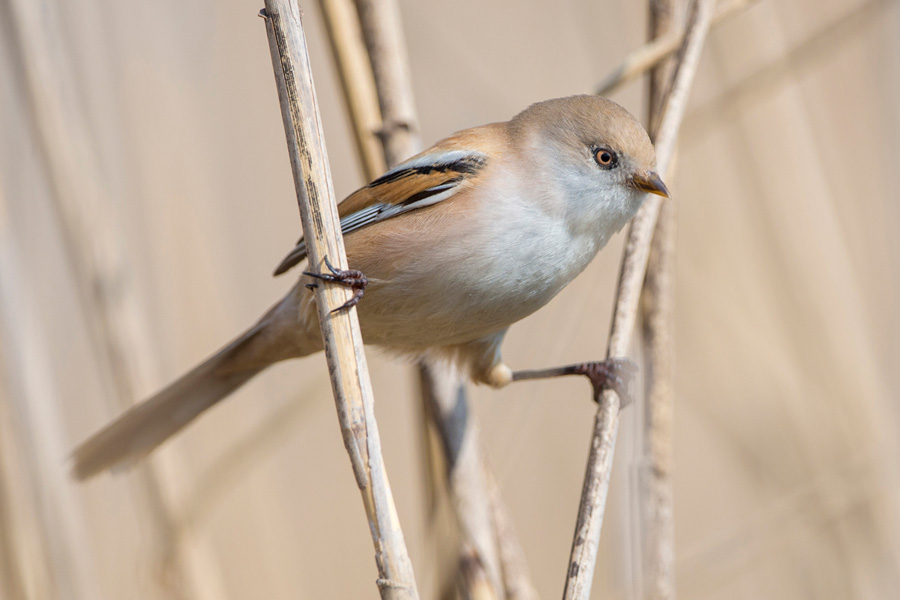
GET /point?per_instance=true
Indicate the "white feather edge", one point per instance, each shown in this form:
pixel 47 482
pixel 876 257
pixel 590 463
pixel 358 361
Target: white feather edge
pixel 381 211
pixel 434 158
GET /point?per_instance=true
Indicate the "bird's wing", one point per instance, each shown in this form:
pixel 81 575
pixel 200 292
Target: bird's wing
pixel 424 180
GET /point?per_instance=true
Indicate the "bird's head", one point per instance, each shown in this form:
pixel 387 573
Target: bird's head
pixel 593 149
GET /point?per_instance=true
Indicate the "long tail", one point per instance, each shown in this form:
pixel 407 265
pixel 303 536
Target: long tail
pixel 148 424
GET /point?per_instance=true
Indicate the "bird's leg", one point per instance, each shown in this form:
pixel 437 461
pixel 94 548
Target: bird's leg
pixel 351 278
pixel 613 373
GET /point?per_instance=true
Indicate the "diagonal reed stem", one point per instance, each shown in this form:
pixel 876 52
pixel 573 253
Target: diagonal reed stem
pixel 583 557
pixel 340 330
pixel 660 48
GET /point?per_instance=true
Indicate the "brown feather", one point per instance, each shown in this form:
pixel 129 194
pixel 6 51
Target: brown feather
pixel 281 333
pixel 402 184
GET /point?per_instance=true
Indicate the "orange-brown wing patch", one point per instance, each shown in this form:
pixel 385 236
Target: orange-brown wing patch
pixel 425 179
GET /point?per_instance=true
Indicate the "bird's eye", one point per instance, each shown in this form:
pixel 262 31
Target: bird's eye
pixel 605 157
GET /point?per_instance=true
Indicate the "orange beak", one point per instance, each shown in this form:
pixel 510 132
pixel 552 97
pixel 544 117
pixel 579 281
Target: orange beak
pixel 650 182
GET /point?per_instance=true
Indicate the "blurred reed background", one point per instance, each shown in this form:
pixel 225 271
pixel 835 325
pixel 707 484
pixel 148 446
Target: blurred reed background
pixel 145 196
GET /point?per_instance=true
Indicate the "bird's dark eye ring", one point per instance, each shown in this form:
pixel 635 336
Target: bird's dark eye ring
pixel 605 158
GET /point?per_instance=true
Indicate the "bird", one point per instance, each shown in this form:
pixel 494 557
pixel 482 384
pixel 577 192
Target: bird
pixel 447 250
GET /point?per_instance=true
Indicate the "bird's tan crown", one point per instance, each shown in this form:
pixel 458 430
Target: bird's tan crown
pixel 578 121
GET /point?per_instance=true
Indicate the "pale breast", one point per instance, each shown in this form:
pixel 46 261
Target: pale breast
pixel 468 269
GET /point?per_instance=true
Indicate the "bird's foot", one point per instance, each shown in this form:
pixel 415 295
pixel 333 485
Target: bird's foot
pixel 353 279
pixel 614 374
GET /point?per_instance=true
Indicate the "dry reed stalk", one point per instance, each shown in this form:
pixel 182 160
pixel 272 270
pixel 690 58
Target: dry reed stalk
pixel 514 568
pixel 24 556
pixel 26 559
pixel 657 527
pixel 386 44
pixel 357 83
pixel 340 330
pixel 472 581
pixel 660 48
pixel 460 461
pixel 583 557
pixel 656 514
pixel 483 518
pixel 97 259
pixel 43 534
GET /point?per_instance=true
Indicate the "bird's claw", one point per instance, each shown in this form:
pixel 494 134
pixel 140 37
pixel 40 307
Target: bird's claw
pixel 614 374
pixel 351 278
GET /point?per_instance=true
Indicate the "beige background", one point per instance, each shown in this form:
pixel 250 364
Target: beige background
pixel 163 118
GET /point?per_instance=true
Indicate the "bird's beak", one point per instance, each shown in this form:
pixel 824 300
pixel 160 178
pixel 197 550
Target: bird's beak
pixel 650 182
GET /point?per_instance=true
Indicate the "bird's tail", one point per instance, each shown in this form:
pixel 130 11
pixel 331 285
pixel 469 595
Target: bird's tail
pixel 147 425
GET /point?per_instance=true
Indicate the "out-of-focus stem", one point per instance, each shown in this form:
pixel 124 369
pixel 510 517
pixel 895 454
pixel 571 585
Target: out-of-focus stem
pixel 358 85
pixel 660 48
pixel 656 528
pixel 479 514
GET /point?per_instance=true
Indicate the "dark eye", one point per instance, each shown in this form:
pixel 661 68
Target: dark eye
pixel 605 157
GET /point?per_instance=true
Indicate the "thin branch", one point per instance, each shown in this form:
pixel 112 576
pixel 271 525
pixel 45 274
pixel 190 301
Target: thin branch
pixel 473 582
pixel 25 544
pixel 655 474
pixel 357 83
pixel 380 21
pixel 462 457
pixel 47 536
pixel 340 330
pixel 516 577
pixel 583 557
pixel 666 17
pixel 660 48
pixel 656 513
